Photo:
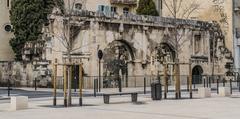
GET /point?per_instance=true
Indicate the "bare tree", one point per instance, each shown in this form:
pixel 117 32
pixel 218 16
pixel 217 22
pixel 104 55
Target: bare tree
pixel 179 9
pixel 66 39
pixel 68 29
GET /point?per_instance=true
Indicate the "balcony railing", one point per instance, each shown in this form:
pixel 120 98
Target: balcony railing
pixel 124 2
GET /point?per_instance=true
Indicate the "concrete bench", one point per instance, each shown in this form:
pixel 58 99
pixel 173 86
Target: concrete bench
pixel 224 91
pixel 18 103
pixel 106 96
pixel 204 92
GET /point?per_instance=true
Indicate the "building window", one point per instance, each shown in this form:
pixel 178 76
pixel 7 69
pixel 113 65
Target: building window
pixel 78 6
pixel 101 8
pixel 114 9
pixel 8 3
pixel 8 28
pixel 161 4
pixel 125 10
pixel 197 43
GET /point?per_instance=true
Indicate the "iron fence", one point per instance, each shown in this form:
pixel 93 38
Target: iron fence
pixel 212 82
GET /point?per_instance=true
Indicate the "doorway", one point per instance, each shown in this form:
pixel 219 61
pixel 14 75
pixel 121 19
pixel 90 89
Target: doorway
pixel 197 72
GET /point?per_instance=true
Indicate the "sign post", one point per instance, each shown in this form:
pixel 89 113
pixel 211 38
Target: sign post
pixel 100 55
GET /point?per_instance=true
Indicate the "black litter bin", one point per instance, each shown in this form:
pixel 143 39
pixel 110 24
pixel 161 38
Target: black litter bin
pixel 156 91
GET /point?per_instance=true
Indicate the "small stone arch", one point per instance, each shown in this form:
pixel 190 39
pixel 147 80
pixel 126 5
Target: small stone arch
pixel 197 73
pixel 168 48
pixel 128 47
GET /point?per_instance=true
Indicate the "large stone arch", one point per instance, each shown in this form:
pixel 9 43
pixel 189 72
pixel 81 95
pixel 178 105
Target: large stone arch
pixel 120 43
pixel 117 54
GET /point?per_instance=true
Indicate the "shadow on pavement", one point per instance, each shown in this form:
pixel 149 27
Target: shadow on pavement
pixel 73 105
pixel 125 102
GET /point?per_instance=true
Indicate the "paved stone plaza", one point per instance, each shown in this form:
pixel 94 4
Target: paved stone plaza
pixel 121 108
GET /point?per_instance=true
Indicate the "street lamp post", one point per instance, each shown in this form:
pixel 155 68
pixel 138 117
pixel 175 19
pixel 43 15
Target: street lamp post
pixel 100 55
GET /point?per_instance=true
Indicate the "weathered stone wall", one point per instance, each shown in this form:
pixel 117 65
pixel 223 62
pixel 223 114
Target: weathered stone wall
pixel 141 40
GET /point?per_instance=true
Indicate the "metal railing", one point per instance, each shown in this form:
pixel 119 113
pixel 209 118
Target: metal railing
pixel 212 82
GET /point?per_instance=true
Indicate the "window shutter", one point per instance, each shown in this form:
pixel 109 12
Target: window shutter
pixel 107 10
pixel 99 8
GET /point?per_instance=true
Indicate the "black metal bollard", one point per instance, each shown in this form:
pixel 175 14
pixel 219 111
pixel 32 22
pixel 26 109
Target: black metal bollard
pixel 238 81
pixel 239 85
pixel 204 82
pixel 9 88
pixel 75 84
pixel 126 82
pixel 223 82
pixel 188 84
pixel 194 84
pixel 35 84
pixel 120 85
pixel 207 82
pixel 144 85
pixel 95 87
pixel 80 101
pixel 167 86
pixel 217 86
pixel 231 85
pixel 62 85
pixel 210 79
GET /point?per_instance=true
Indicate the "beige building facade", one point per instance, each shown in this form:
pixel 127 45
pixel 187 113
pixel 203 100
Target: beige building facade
pixel 106 6
pixel 206 10
pixel 6 53
pixel 132 42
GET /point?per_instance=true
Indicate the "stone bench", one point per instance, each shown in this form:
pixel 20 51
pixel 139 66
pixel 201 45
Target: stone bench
pixel 18 103
pixel 204 92
pixel 106 96
pixel 224 91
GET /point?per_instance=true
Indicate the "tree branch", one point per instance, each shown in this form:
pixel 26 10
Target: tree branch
pixel 164 1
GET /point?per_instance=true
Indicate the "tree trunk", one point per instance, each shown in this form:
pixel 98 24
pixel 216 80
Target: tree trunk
pixel 69 95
